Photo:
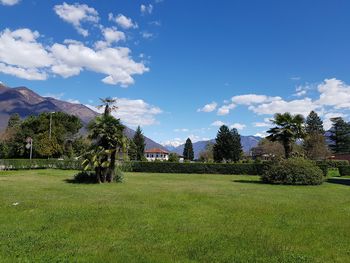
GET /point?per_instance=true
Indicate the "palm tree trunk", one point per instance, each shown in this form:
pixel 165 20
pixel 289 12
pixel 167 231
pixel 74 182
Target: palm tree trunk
pixel 287 149
pixel 112 167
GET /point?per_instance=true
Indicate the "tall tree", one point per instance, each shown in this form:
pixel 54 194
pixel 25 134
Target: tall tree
pixel 188 150
pixel 288 129
pixel 340 136
pixel 139 141
pixel 227 145
pixel 315 145
pixel 108 140
pixel 207 154
pixel 236 149
pixel 314 124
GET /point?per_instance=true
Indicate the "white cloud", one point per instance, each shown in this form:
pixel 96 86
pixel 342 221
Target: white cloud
pixel 9 2
pixel 174 142
pixel 181 130
pixel 23 56
pixel 146 9
pixel 261 124
pixel 112 35
pixel 302 106
pixel 116 63
pixel 225 109
pixel 218 123
pixel 122 21
pixel 76 14
pixel 74 101
pixel 134 112
pixel 20 48
pixel 208 107
pixel 24 73
pixel 249 99
pixel 238 126
pixel 146 35
pixel 334 92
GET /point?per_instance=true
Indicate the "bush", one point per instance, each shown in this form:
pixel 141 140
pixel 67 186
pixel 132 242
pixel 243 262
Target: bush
pixel 344 170
pixel 198 168
pixel 324 169
pixel 294 171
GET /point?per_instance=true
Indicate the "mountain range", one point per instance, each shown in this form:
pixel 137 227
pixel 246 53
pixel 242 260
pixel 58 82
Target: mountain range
pixel 25 102
pixel 248 142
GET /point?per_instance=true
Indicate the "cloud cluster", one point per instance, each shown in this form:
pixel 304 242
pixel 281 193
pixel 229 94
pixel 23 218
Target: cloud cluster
pixel 76 14
pixel 134 112
pixel 238 126
pixel 22 55
pixel 146 9
pixel 9 2
pixel 208 107
pixel 123 21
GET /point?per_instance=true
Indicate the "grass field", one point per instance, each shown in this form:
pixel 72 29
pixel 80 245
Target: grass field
pixel 171 218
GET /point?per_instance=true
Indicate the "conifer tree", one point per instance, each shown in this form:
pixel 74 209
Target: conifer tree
pixel 139 141
pixel 228 146
pixel 188 150
pixel 236 145
pixel 314 124
pixel 340 136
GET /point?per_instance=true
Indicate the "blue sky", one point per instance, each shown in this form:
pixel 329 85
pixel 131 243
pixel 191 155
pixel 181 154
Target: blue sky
pixel 181 68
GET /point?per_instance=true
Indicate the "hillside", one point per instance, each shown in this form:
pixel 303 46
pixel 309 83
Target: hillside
pixel 26 102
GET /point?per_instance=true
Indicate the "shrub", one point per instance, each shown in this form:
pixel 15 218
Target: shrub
pixel 344 170
pixel 198 168
pixel 293 171
pixel 324 169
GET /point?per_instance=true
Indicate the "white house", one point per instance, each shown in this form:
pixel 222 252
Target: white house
pixel 156 154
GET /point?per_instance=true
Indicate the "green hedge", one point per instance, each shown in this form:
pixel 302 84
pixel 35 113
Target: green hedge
pixel 333 163
pixel 344 170
pixel 25 164
pixel 198 168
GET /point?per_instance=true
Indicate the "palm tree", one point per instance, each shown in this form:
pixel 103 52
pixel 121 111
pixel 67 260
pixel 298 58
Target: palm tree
pixel 288 129
pixel 106 132
pixel 108 104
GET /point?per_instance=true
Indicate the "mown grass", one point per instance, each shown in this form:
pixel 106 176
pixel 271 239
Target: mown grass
pixel 171 218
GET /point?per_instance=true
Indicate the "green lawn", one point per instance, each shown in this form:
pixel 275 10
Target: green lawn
pixel 171 218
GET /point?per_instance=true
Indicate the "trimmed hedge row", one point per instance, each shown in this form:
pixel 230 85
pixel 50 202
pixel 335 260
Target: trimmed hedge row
pixel 344 170
pixel 25 164
pixel 198 168
pixel 333 163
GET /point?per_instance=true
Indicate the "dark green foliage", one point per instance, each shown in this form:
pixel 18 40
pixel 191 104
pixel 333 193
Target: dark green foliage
pixel 198 168
pixel 288 129
pixel 324 168
pixel 139 141
pixel 173 157
pixel 132 151
pixel 314 124
pixel 315 145
pixel 293 171
pixel 64 130
pixel 340 136
pixel 188 150
pixel 14 121
pixel 227 147
pixel 344 170
pixel 106 133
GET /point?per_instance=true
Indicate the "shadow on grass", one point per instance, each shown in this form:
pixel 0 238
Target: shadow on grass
pixel 74 181
pixel 339 181
pixel 247 181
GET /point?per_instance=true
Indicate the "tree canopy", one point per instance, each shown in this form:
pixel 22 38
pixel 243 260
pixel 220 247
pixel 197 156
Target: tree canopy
pixel 227 147
pixel 188 150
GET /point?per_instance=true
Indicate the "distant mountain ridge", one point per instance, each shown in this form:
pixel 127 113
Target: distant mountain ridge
pixel 26 102
pixel 248 142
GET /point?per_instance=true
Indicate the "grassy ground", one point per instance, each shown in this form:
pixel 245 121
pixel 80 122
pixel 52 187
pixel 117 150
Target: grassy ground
pixel 171 218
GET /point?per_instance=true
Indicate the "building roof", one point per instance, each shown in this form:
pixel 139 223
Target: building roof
pixel 156 150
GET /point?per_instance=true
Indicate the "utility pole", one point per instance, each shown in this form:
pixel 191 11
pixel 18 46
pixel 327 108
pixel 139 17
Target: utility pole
pixel 50 125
